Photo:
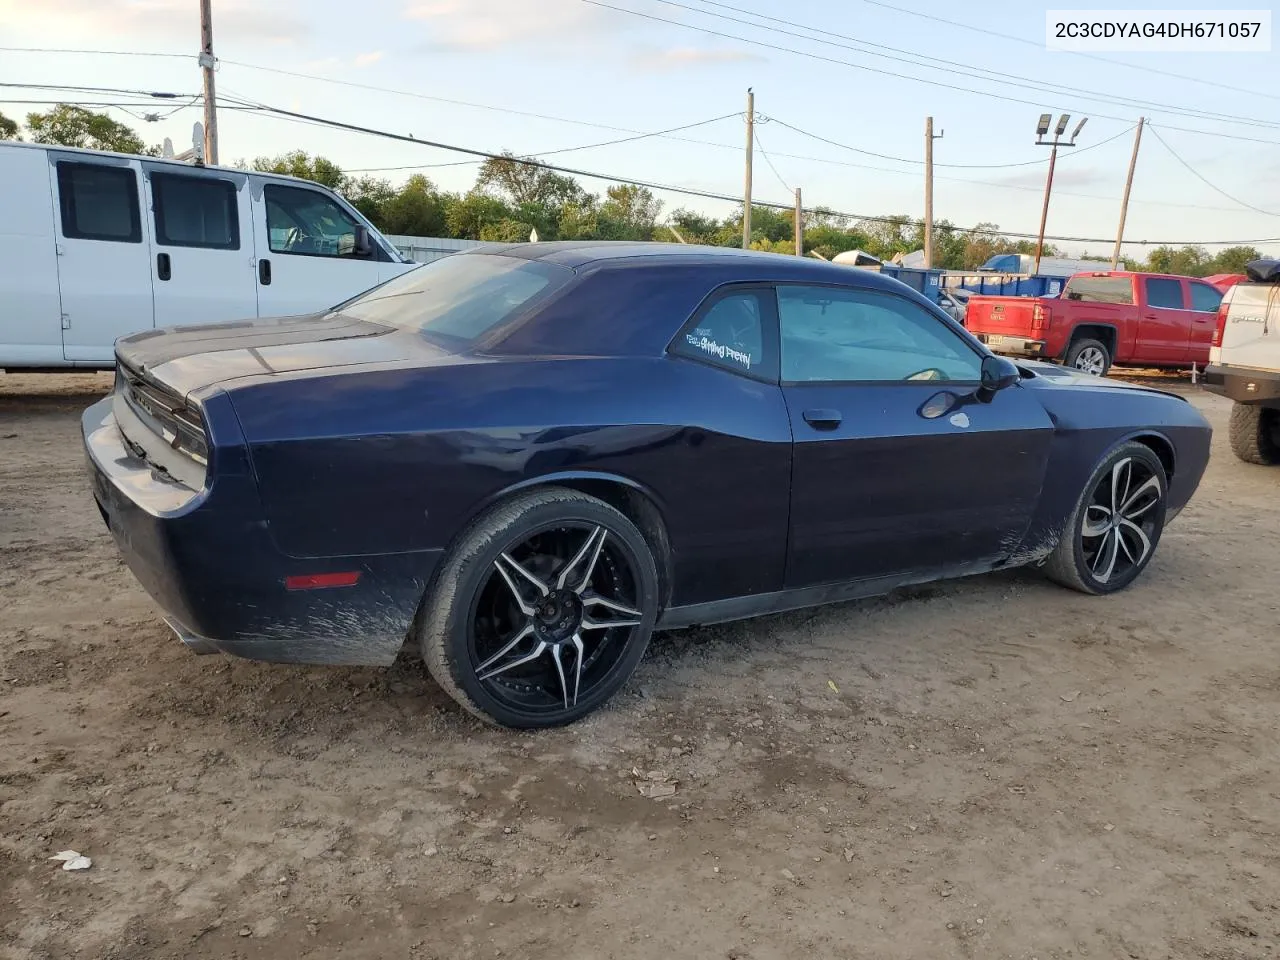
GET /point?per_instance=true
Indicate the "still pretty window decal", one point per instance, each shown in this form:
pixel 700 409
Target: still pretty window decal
pixel 719 350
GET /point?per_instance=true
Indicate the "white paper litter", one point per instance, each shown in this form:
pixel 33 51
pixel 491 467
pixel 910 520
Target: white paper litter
pixel 72 860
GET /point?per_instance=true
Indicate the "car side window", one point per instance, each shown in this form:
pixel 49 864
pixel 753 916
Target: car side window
pixel 1164 292
pixel 1204 298
pixel 836 334
pixel 99 202
pixel 307 223
pixel 195 212
pixel 728 333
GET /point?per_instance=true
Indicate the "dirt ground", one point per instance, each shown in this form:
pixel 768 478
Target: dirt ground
pixel 987 768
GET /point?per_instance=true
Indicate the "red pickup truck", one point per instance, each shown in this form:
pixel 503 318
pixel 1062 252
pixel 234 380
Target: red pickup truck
pixel 1139 319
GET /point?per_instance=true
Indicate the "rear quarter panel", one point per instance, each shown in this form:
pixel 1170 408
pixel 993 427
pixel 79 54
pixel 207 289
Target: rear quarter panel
pixel 401 459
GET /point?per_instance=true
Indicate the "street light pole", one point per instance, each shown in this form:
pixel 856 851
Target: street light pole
pixel 1042 128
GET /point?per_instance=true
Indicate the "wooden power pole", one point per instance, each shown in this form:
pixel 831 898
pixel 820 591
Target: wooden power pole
pixel 799 225
pixel 746 190
pixel 1128 184
pixel 928 190
pixel 207 63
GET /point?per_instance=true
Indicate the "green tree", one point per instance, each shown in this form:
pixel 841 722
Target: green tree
pixel 370 195
pixel 1232 260
pixel 418 209
pixel 71 126
pixel 468 215
pixel 8 128
pixel 629 212
pixel 695 227
pixel 297 163
pixel 521 183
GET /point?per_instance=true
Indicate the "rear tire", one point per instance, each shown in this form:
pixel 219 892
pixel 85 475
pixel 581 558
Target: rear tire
pixel 541 610
pixel 1255 433
pixel 1097 554
pixel 1088 356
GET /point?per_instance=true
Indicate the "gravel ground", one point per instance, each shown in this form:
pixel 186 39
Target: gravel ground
pixel 988 768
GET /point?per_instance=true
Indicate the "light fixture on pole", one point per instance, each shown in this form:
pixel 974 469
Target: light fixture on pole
pixel 1042 130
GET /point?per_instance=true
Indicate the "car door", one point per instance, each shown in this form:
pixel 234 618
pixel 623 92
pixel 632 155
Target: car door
pixel 306 251
pixel 104 263
pixel 1205 300
pixel 878 488
pixel 1164 326
pixel 202 247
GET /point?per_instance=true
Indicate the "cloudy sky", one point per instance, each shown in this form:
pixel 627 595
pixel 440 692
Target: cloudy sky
pixel 536 76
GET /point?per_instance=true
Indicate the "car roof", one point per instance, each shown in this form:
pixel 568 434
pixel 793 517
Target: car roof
pixel 765 266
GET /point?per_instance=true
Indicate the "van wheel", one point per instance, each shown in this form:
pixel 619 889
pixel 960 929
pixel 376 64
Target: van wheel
pixel 1255 433
pixel 1089 356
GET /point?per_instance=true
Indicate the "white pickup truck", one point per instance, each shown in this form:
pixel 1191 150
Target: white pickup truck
pixel 98 245
pixel 1244 362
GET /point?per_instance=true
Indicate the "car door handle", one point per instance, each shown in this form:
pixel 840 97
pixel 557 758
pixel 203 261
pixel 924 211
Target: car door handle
pixel 164 269
pixel 264 272
pixel 823 419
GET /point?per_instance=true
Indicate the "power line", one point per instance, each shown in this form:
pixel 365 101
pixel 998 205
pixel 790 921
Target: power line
pixel 159 95
pixel 1077 53
pixel 706 194
pixel 585 146
pixel 1039 105
pixel 760 146
pixel 969 166
pixel 1155 133
pixel 952 66
pixel 96 53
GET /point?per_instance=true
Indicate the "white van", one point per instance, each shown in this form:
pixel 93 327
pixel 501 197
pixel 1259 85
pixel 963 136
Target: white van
pixel 98 245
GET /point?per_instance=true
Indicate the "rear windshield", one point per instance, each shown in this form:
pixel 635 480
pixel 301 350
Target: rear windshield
pixel 458 299
pixel 1099 289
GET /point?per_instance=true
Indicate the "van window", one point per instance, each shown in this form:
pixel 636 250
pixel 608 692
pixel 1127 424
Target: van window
pixel 99 202
pixel 306 223
pixel 1164 293
pixel 1099 289
pixel 195 212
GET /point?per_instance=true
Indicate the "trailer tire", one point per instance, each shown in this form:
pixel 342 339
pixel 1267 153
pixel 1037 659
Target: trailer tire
pixel 1254 433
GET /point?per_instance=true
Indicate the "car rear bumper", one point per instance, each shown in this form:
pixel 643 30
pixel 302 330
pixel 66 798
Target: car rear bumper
pixel 1242 384
pixel 1013 346
pixel 207 559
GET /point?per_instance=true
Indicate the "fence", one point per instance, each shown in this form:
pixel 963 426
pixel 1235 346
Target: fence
pixel 426 249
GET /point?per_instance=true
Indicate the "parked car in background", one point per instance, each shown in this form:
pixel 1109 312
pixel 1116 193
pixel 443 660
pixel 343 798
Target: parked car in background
pixel 99 245
pixel 1244 362
pixel 529 457
pixel 1139 319
pixel 954 301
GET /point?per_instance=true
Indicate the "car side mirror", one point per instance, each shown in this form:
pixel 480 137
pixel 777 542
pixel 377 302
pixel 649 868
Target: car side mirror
pixel 998 373
pixel 364 243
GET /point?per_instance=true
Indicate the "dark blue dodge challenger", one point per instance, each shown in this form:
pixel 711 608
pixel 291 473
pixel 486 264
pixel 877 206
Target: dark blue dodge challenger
pixel 525 459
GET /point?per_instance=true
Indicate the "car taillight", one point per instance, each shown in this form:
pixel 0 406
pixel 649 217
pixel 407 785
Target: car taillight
pixel 1221 328
pixel 1039 317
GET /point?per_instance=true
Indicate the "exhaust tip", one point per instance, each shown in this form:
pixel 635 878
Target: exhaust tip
pixel 201 646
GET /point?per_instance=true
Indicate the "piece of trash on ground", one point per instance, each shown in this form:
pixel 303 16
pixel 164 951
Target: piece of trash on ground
pixel 72 860
pixel 832 685
pixel 654 785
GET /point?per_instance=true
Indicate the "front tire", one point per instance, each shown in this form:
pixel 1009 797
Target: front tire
pixel 1255 433
pixel 1089 356
pixel 1113 532
pixel 541 611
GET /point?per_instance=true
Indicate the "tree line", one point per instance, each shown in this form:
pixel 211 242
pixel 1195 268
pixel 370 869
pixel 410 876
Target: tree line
pixel 509 200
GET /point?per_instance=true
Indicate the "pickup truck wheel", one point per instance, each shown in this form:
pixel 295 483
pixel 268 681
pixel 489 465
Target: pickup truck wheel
pixel 1113 531
pixel 1255 433
pixel 1089 356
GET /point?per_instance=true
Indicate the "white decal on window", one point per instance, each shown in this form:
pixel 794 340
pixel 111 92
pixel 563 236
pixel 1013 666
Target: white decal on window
pixel 720 350
pixel 960 419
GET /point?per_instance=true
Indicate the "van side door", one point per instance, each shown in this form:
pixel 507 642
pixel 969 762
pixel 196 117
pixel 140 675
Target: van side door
pixel 202 247
pixel 104 260
pixel 305 243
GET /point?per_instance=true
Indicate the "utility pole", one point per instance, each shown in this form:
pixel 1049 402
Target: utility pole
pixel 746 191
pixel 1128 184
pixel 1044 210
pixel 1042 128
pixel 799 226
pixel 210 98
pixel 928 190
